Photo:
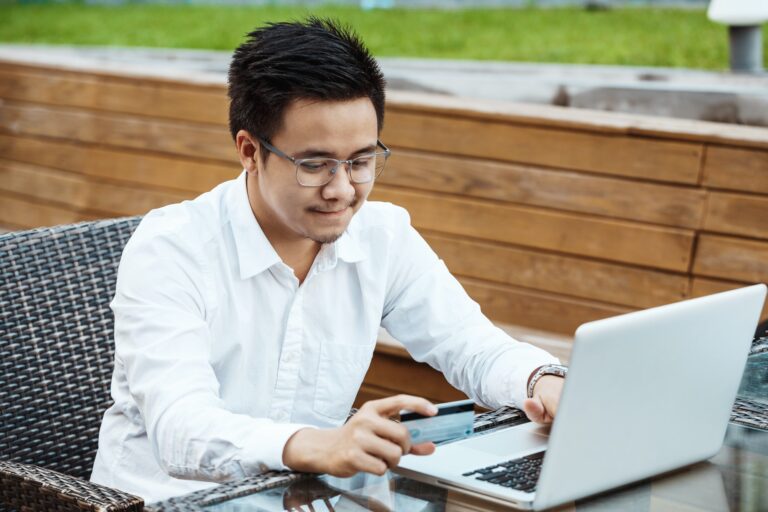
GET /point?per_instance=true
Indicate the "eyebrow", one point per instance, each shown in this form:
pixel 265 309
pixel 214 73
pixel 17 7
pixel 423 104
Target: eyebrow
pixel 312 152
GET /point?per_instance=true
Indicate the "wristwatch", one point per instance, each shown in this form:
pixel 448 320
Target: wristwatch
pixel 547 369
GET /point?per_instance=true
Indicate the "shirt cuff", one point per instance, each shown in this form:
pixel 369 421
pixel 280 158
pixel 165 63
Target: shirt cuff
pixel 265 451
pixel 508 377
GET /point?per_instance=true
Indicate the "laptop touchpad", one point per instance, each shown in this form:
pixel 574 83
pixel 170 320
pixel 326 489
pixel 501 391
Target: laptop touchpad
pixel 512 440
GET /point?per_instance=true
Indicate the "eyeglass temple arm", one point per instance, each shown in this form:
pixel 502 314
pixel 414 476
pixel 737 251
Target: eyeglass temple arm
pixel 273 149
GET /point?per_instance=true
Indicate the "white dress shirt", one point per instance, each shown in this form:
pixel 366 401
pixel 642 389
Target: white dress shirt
pixel 220 354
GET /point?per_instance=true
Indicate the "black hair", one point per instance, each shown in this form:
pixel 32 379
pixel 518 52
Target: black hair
pixel 316 59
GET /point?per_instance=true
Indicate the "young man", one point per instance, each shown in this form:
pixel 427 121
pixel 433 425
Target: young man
pixel 246 319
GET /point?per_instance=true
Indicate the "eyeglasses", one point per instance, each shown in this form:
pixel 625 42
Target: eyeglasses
pixel 316 172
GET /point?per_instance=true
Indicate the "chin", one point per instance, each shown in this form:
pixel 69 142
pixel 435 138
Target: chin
pixel 326 238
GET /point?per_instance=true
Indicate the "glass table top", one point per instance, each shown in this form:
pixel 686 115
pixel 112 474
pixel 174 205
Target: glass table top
pixel 735 479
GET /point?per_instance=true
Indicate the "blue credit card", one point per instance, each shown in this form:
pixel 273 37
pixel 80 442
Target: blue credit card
pixel 453 420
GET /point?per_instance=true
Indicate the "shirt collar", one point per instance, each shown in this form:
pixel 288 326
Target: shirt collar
pixel 255 253
pixel 347 247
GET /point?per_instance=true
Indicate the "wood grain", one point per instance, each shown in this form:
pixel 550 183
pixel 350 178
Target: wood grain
pixel 597 121
pixel 536 186
pixel 118 130
pixel 701 286
pixel 537 310
pixel 618 155
pixel 731 258
pixel 21 212
pixel 736 168
pixel 186 103
pixel 664 248
pixel 147 170
pixel 392 375
pixel 737 214
pixel 70 191
pixel 568 276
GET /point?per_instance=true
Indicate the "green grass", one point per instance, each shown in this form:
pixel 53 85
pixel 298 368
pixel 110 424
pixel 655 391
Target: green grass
pixel 639 37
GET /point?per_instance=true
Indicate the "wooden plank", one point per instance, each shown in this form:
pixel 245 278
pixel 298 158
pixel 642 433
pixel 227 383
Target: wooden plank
pixel 701 286
pixel 588 120
pixel 78 193
pixel 119 130
pixel 665 248
pixel 199 104
pixel 735 259
pixel 111 70
pixel 736 169
pixel 398 375
pixel 143 169
pixel 620 198
pixel 618 155
pixel 618 284
pixel 368 393
pixel 737 214
pixel 22 212
pixel 538 310
pixel 483 109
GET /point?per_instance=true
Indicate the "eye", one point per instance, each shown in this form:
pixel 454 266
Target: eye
pixel 315 165
pixel 363 162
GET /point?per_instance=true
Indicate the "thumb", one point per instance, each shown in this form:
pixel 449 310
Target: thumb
pixel 534 409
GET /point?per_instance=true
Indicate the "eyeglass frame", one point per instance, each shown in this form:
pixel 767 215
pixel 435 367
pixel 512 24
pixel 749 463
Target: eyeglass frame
pixel 348 163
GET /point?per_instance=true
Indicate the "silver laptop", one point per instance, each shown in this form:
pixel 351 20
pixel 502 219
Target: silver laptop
pixel 647 392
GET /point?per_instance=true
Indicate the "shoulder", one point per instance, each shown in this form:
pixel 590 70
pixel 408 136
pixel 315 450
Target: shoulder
pixel 186 227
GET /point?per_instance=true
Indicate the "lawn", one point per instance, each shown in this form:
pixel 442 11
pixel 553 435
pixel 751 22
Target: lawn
pixel 631 36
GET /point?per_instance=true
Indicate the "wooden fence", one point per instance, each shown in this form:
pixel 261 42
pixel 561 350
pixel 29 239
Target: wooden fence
pixel 550 217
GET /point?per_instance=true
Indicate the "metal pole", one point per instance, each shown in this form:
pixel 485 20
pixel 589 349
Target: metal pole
pixel 746 47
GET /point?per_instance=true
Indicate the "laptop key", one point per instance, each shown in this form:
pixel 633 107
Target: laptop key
pixel 521 474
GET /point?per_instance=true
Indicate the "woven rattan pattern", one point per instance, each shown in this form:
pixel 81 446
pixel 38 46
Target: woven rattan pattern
pixel 56 341
pixel 25 487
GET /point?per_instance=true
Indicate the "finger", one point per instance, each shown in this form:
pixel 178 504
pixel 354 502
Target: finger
pixel 382 449
pixel 394 432
pixel 423 449
pixel 392 405
pixel 370 464
pixel 550 404
pixel 534 409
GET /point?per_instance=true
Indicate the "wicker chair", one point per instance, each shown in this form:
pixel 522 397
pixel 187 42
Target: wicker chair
pixel 56 357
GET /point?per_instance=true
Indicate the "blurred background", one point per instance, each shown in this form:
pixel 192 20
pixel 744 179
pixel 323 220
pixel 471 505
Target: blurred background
pixel 569 160
pixel 657 57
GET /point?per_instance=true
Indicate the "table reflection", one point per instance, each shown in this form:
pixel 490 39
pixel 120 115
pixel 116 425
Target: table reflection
pixel 735 479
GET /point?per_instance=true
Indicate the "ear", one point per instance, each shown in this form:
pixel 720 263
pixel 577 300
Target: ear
pixel 248 150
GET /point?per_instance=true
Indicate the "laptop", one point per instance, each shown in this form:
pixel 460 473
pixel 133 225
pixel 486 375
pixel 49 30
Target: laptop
pixel 647 392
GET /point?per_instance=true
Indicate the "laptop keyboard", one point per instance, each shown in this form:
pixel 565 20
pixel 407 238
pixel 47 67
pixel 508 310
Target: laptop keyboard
pixel 520 474
pixel 750 413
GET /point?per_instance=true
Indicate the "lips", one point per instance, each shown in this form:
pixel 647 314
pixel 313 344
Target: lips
pixel 330 212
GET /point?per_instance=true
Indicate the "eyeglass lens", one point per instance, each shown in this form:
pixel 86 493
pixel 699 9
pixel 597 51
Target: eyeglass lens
pixel 319 171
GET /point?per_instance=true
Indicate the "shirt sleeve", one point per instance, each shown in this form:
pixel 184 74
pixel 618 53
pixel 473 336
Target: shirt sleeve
pixel 163 342
pixel 430 313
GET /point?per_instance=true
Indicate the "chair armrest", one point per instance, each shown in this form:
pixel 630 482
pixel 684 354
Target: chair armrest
pixel 27 487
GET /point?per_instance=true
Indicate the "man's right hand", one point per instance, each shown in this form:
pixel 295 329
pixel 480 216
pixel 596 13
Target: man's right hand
pixel 368 442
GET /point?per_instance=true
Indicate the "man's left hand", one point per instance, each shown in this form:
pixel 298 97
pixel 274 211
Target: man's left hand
pixel 546 397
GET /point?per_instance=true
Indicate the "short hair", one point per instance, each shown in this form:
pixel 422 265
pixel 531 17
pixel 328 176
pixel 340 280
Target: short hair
pixel 316 59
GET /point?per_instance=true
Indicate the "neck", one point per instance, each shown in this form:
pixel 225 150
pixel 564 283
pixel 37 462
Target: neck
pixel 296 251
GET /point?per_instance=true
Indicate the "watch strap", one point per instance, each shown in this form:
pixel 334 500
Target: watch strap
pixel 547 369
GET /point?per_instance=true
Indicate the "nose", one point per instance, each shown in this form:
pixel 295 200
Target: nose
pixel 340 187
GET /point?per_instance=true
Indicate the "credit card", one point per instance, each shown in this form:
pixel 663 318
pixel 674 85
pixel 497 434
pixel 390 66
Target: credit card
pixel 453 420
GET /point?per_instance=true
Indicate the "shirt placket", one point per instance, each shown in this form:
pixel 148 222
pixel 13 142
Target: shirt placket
pixel 290 361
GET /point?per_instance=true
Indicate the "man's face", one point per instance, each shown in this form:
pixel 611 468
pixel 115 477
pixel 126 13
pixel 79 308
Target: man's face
pixel 311 128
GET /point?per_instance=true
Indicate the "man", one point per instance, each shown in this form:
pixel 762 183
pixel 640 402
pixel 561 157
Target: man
pixel 246 319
